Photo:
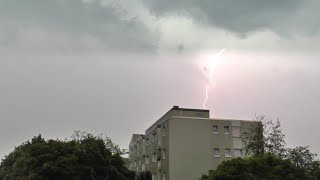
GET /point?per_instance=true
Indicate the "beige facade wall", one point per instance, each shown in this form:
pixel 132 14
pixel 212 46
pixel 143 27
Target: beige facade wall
pixel 192 143
pixel 186 138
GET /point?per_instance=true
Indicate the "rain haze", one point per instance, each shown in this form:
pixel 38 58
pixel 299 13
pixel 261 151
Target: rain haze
pixel 115 67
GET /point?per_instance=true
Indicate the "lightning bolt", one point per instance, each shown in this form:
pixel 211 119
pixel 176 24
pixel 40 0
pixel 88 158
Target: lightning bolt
pixel 206 99
pixel 211 68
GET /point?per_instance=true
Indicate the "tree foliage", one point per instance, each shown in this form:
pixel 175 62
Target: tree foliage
pixel 302 157
pixel 84 157
pixel 254 139
pixel 263 137
pixel 266 166
pixel 267 137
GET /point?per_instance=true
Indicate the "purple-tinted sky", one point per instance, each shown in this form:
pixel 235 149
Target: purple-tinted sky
pixel 114 67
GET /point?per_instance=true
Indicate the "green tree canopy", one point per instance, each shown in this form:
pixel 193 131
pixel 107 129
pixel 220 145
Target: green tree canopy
pixel 84 157
pixel 266 166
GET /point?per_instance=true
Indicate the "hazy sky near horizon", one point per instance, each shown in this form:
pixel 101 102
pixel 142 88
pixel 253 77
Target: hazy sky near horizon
pixel 115 66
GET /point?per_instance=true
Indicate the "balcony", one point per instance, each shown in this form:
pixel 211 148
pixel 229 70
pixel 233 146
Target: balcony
pixel 159 138
pixel 143 150
pixel 159 166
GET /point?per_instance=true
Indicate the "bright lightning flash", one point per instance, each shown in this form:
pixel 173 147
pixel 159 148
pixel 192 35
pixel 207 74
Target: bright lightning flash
pixel 210 69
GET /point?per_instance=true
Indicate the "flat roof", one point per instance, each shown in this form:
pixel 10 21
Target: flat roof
pixel 187 109
pixel 177 108
pixel 212 119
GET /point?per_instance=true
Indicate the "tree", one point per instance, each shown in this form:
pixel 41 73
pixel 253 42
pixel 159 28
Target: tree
pixel 264 136
pixel 254 138
pixel 302 157
pixel 83 157
pixel 266 166
pixel 315 169
pixel 267 137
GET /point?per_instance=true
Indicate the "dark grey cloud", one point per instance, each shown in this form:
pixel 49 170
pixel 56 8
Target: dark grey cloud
pixel 284 17
pixel 77 18
pixel 151 26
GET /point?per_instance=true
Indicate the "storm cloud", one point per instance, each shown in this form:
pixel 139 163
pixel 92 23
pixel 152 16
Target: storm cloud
pixel 105 23
pixel 244 16
pixel 152 26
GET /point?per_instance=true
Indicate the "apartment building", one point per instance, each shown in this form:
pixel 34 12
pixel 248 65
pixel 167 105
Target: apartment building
pixel 185 143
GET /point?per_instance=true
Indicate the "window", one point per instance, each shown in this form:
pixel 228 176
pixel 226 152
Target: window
pixel 143 167
pixel 163 176
pixel 139 162
pixel 147 160
pixel 154 158
pixel 143 147
pixel 164 130
pixel 154 176
pixel 237 152
pixel 147 141
pixel 227 153
pixel 163 154
pixel 135 164
pixel 137 149
pixel 226 129
pixel 236 132
pixel 215 129
pixel 154 137
pixel 216 152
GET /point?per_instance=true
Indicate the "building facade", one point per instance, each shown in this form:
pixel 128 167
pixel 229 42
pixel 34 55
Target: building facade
pixel 185 143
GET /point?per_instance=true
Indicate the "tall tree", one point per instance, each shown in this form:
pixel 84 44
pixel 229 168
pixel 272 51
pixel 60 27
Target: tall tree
pixel 274 139
pixel 264 136
pixel 254 138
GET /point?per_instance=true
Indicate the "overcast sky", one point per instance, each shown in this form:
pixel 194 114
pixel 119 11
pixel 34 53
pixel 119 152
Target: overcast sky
pixel 115 66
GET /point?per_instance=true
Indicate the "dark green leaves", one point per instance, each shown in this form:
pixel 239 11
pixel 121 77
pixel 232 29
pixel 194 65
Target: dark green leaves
pixel 83 157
